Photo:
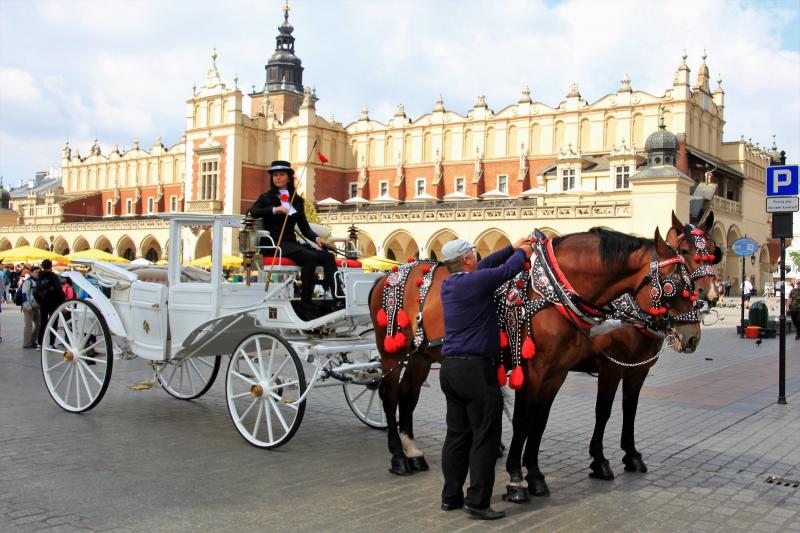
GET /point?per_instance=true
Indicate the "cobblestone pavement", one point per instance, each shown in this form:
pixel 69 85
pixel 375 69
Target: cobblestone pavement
pixel 708 427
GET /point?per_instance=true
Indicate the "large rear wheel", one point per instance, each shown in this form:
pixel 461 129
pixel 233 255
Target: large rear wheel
pixel 77 355
pixel 264 380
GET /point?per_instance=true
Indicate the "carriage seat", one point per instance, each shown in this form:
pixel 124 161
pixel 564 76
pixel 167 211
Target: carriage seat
pixel 286 262
pixel 160 274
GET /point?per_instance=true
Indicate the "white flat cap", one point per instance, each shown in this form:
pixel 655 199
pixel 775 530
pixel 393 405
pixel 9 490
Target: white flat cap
pixel 455 249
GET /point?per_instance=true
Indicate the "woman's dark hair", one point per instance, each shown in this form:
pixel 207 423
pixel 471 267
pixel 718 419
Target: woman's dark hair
pixel 289 185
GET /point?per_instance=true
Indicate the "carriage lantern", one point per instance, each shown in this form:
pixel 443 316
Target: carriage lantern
pixel 352 234
pixel 245 246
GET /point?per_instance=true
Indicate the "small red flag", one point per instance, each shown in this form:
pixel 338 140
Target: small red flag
pixel 322 157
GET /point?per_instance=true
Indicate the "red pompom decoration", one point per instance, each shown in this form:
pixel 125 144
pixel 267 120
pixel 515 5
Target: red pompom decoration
pixel 663 310
pixel 501 375
pixel 696 257
pixel 520 283
pixel 534 240
pixel 685 293
pixel 419 298
pixel 395 268
pixel 518 301
pixel 389 344
pixel 399 340
pixel 527 265
pixel 381 318
pixel 654 311
pixel 410 260
pixel 426 269
pixel 284 197
pixel 418 281
pixel 503 339
pixel 516 379
pixel 402 319
pixel 528 348
pixel 692 298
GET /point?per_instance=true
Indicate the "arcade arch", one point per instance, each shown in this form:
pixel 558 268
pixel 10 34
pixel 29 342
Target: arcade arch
pixel 41 243
pixel 61 246
pixel 80 245
pixel 550 233
pixel 438 240
pixel 126 248
pixel 366 245
pixel 5 244
pixel 202 247
pixel 102 243
pixel 400 246
pixel 150 249
pixel 491 241
pixel 22 241
pixel 732 262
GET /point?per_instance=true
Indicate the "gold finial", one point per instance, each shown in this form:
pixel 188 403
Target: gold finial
pixel 214 57
pixel 286 10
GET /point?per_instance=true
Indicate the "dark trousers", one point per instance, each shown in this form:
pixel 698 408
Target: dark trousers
pixel 44 316
pixel 474 409
pixel 795 316
pixel 308 259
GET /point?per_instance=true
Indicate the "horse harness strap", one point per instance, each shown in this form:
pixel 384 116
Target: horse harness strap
pixel 420 340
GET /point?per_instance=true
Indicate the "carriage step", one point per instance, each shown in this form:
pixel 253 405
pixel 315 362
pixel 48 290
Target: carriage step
pixel 354 346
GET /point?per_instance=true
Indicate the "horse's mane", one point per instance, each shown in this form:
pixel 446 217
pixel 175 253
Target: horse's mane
pixel 615 247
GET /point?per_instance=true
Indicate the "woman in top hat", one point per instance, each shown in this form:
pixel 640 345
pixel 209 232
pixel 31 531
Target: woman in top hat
pixel 281 202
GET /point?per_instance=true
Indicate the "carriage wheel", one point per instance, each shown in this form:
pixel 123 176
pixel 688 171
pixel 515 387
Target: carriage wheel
pixel 364 400
pixel 265 379
pixel 190 378
pixel 77 355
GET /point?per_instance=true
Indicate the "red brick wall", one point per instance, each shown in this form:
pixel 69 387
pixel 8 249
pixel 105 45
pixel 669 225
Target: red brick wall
pixel 86 208
pixel 329 183
pixel 683 158
pixel 254 182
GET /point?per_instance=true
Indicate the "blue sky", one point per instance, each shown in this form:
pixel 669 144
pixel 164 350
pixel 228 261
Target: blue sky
pixel 118 70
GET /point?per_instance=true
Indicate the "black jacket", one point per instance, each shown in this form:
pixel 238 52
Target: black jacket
pixel 262 209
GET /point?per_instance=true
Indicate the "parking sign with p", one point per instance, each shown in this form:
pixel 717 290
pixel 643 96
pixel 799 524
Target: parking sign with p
pixel 782 181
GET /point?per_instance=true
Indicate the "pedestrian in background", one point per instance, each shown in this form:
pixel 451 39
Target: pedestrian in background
pixel 48 294
pixel 30 309
pixel 794 309
pixel 3 286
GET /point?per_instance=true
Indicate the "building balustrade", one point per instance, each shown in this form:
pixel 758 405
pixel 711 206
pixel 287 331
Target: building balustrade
pixel 204 206
pixel 727 205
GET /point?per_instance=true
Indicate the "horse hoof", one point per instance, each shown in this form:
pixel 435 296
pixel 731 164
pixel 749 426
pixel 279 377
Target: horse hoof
pixel 400 467
pixel 538 487
pixel 601 470
pixel 418 464
pixel 634 464
pixel 516 494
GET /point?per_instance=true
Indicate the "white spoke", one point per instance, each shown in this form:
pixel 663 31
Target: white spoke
pixel 53 350
pixel 279 415
pixel 180 378
pixel 77 387
pixel 253 369
pixel 66 329
pixel 241 417
pixel 359 395
pixel 61 340
pixel 189 374
pixel 88 332
pixel 92 347
pixel 268 418
pixel 271 358
pixel 262 375
pixel 203 360
pixel 287 404
pixel 172 374
pixel 284 385
pixel 193 366
pixel 243 378
pixel 283 364
pixel 258 419
pixel 87 358
pixel 85 383
pixel 241 394
pixel 69 382
pixel 91 372
pixel 61 378
pixel 50 369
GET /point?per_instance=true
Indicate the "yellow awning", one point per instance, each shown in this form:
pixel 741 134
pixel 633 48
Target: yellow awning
pixel 97 255
pixel 228 261
pixel 28 254
pixel 376 263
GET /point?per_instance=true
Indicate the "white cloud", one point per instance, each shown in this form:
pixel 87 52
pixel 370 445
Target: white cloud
pixel 18 86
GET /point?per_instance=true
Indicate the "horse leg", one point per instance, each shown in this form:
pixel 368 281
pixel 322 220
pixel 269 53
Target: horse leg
pixel 414 376
pixel 390 393
pixel 538 423
pixel 631 387
pixel 607 382
pixel 517 488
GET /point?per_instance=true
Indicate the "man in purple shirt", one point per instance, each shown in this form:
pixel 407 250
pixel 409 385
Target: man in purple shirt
pixel 467 377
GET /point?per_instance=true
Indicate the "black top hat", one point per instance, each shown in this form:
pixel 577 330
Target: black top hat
pixel 284 166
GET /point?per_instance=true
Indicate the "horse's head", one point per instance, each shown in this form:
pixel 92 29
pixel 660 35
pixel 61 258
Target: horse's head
pixel 700 253
pixel 667 294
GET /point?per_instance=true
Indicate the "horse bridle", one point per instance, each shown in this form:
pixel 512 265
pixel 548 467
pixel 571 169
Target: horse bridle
pixel 666 288
pixel 702 257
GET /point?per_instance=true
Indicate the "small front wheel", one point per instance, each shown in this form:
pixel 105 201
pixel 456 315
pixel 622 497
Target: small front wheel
pixel 264 382
pixel 190 378
pixel 77 355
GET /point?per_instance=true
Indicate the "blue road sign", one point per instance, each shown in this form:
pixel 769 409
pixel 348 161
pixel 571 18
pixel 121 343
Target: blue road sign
pixel 745 246
pixel 782 181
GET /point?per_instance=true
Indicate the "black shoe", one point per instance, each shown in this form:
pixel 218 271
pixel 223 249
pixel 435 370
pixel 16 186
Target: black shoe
pixel 484 514
pixel 452 506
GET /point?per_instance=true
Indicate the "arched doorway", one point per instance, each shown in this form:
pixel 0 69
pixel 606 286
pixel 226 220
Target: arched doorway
pixel 438 240
pixel 491 241
pixel 764 267
pixel 61 246
pixel 126 248
pixel 733 262
pixel 102 243
pixel 41 243
pixel 366 245
pixel 203 246
pixel 5 244
pixel 80 245
pixel 22 241
pixel 400 246
pixel 150 248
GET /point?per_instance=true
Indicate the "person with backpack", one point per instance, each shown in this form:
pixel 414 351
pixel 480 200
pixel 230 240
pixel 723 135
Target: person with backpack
pixel 69 289
pixel 48 295
pixel 30 308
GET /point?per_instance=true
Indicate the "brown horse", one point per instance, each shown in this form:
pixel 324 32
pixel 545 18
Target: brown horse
pixel 637 351
pixel 561 346
pixel 603 264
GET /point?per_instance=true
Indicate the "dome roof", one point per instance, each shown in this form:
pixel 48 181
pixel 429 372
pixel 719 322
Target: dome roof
pixel 5 198
pixel 661 140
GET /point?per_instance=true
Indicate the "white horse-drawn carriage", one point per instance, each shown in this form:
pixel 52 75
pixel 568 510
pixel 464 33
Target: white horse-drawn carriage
pixel 185 320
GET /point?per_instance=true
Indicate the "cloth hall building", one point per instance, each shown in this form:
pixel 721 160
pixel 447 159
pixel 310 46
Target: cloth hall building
pixel 624 161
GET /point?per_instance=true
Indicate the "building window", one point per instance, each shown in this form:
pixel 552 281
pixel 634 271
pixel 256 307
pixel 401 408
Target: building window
pixel 502 184
pixel 109 208
pixel 352 191
pixel 420 188
pixel 209 173
pixel 623 174
pixel 460 185
pixel 151 203
pixel 383 188
pixel 129 206
pixel 567 179
pixel 173 203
